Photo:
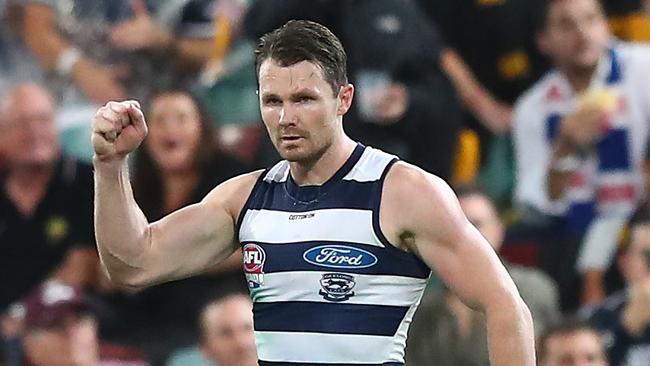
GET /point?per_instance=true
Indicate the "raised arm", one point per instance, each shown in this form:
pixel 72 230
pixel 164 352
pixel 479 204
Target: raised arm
pixel 133 251
pixel 427 219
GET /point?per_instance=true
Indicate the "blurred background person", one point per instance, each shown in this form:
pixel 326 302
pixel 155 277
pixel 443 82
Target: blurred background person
pixel 489 54
pixel 571 343
pixel 624 317
pixel 580 137
pixel 61 331
pixel 45 204
pixel 444 331
pixel 227 337
pixel 178 164
pixel 93 51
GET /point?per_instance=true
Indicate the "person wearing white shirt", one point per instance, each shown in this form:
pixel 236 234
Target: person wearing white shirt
pixel 580 134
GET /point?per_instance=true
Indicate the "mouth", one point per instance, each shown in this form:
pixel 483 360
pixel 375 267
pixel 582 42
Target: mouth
pixel 290 138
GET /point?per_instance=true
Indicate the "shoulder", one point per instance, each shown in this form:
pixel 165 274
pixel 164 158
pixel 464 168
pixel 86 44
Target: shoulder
pixel 233 193
pixel 532 100
pixel 635 53
pixel 416 198
pixel 609 308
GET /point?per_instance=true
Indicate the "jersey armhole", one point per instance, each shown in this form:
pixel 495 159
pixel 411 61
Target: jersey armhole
pixel 247 204
pixel 376 226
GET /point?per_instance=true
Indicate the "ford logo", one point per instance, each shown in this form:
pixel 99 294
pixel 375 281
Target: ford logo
pixel 339 256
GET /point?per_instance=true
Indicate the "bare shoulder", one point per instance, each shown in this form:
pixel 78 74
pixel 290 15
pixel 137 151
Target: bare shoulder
pixel 418 204
pixel 233 193
pixel 413 185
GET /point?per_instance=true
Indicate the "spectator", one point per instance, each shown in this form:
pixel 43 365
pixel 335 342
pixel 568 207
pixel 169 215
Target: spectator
pixel 405 106
pixel 580 136
pixel 87 58
pixel 624 317
pixel 178 164
pixel 60 331
pixel 495 42
pixel 45 203
pixel 571 344
pixel 45 200
pixel 447 332
pixel 227 332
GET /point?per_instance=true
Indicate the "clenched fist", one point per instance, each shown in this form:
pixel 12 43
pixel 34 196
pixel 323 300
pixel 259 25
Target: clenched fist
pixel 118 128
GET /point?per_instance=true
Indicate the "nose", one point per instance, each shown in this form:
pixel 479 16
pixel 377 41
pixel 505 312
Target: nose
pixel 287 116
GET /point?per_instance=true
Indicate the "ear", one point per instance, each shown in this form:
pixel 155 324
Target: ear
pixel 542 41
pixel 346 94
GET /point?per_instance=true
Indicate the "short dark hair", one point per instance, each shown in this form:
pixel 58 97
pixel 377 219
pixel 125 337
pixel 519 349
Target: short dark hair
pixel 542 10
pixel 562 328
pixel 302 40
pixel 470 189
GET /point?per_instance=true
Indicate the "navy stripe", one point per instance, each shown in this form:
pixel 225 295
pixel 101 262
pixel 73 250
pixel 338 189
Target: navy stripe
pixel 250 199
pixel 290 257
pixel 269 363
pixel 375 210
pixel 613 150
pixel 344 194
pixel 330 318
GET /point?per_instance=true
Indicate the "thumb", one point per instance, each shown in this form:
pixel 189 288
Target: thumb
pixel 139 8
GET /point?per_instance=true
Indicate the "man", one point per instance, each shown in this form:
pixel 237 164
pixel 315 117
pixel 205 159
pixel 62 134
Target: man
pixel 580 135
pixel 447 332
pixel 227 337
pixel 571 344
pixel 45 224
pixel 624 317
pixel 334 279
pixel 59 331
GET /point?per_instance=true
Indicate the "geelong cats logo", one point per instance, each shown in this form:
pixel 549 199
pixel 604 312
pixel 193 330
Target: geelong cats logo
pixel 337 287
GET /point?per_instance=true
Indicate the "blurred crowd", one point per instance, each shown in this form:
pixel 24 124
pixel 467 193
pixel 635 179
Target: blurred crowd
pixel 536 111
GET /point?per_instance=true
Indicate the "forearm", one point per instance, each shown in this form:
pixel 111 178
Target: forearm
pixel 510 334
pixel 557 177
pixel 40 34
pixel 121 229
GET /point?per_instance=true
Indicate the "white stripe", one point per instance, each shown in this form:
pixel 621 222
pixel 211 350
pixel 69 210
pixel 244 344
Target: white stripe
pixel 279 172
pixel 369 289
pixel 402 331
pixel 323 348
pixel 370 166
pixel 344 225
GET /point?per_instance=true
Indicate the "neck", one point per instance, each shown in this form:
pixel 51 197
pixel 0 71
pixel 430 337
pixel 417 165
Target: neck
pixel 178 186
pixel 323 168
pixel 26 185
pixel 580 78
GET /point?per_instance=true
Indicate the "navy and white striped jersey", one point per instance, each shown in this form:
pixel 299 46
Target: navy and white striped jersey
pixel 327 286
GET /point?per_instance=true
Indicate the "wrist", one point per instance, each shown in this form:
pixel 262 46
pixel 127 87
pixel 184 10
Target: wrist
pixel 108 163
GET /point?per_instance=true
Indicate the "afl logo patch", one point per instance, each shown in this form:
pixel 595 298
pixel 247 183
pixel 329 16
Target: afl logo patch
pixel 254 259
pixel 339 256
pixel 337 287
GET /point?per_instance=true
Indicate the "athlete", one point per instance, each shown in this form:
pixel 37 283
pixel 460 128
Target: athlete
pixel 338 238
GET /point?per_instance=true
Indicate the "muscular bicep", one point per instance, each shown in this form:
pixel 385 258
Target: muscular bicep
pixel 444 239
pixel 196 238
pixel 465 261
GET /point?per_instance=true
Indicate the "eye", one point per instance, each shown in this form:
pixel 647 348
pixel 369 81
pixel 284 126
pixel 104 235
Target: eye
pixel 272 101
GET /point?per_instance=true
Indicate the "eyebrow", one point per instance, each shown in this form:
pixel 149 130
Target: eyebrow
pixel 299 93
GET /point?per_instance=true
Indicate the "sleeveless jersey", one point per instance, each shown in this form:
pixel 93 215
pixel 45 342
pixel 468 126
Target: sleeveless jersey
pixel 327 286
